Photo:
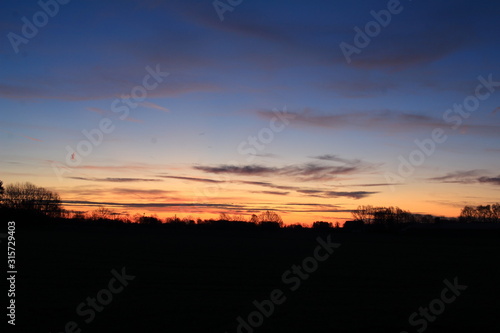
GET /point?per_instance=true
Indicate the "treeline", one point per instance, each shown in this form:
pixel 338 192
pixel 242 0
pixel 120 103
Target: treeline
pixel 395 217
pixel 267 219
pixel 25 201
pixel 488 213
pixel 389 215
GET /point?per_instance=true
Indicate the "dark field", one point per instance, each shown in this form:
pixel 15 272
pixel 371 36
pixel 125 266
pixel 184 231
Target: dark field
pixel 202 280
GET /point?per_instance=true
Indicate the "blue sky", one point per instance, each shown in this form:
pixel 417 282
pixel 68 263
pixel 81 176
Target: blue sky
pixel 348 125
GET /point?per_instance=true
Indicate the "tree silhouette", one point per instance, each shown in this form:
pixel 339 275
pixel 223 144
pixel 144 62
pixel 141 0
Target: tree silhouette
pixel 364 213
pixel 254 219
pixel 30 198
pixel 101 213
pixel 269 216
pixel 322 225
pixel 382 215
pixel 149 220
pixel 224 217
pixel 487 213
pixel 2 190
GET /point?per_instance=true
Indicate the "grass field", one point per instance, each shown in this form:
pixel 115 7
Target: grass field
pixel 202 280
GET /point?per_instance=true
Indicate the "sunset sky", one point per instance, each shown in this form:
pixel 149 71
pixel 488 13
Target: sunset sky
pixel 161 107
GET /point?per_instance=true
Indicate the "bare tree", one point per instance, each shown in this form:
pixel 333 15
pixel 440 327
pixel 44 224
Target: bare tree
pixel 254 219
pixel 149 220
pixel 364 213
pixel 269 216
pixel 2 190
pixel 484 213
pixel 495 211
pixel 101 213
pixel 238 218
pixel 224 217
pixel 468 214
pixel 28 197
pixel 487 213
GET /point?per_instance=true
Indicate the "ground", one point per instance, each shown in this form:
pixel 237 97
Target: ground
pixel 193 280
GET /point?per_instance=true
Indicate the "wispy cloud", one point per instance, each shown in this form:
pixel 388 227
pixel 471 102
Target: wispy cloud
pixel 154 106
pixel 194 179
pixel 24 136
pixel 337 158
pixel 33 139
pixel 467 177
pixel 335 194
pixel 435 40
pixel 116 180
pixel 490 180
pixel 304 172
pixel 149 204
pixel 272 192
pixel 386 121
pixel 269 185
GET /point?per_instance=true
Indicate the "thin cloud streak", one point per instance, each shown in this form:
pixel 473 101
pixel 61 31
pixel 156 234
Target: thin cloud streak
pixel 116 180
pixel 154 106
pixel 467 177
pixel 194 179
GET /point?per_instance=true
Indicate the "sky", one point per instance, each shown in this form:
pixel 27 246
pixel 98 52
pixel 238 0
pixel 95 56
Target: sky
pixel 200 107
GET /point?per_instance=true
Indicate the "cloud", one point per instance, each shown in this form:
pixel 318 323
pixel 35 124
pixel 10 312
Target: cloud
pixel 139 167
pixel 154 106
pixel 32 139
pixel 335 194
pixel 249 170
pixel 315 192
pixel 424 37
pixel 370 185
pixel 304 172
pixel 459 177
pixel 386 121
pixel 267 184
pixel 116 180
pixel 272 192
pixel 467 177
pixel 214 208
pixel 91 88
pixel 352 195
pixel 24 136
pixel 336 158
pixel 134 191
pixel 490 180
pixel 193 179
pixel 148 204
